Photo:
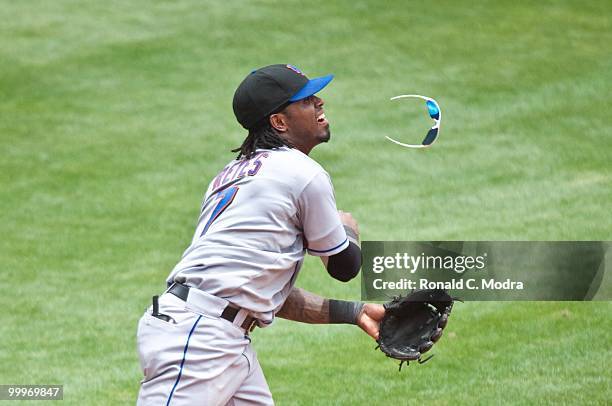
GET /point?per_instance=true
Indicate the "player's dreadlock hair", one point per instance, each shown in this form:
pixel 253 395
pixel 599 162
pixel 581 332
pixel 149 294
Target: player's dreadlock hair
pixel 263 136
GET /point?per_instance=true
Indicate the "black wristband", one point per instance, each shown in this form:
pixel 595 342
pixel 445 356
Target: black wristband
pixel 343 312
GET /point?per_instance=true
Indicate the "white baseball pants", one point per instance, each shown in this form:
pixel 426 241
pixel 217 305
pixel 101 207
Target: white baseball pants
pixel 197 358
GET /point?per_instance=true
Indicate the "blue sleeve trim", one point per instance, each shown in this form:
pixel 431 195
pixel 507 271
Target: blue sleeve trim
pixel 178 378
pixel 331 249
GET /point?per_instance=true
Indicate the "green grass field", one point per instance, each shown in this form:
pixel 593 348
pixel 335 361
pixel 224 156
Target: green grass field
pixel 115 115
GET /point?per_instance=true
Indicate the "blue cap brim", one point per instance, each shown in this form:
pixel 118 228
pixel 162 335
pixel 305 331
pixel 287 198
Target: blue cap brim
pixel 313 86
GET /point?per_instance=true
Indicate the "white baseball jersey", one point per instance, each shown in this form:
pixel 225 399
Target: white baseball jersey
pixel 258 218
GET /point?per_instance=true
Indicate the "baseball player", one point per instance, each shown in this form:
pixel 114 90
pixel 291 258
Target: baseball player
pixel 260 215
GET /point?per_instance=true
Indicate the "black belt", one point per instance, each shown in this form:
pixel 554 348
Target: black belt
pixel 229 313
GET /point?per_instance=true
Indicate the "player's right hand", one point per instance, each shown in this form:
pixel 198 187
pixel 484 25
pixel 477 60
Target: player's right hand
pixel 348 220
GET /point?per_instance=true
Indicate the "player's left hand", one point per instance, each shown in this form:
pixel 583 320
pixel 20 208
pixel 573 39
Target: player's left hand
pixel 369 318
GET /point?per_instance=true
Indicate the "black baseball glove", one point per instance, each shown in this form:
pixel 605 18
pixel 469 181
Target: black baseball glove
pixel 413 323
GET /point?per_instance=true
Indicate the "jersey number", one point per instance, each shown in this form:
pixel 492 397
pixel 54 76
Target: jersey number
pixel 226 197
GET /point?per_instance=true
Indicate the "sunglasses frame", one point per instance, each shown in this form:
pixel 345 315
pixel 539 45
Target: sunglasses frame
pixel 436 126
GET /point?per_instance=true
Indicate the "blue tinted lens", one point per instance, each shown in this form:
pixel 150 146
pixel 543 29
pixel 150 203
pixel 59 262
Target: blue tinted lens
pixel 431 136
pixel 434 112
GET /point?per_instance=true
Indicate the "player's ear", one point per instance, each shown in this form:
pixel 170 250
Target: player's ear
pixel 278 121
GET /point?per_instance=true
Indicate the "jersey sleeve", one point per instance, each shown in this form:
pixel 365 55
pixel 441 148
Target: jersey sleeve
pixel 323 231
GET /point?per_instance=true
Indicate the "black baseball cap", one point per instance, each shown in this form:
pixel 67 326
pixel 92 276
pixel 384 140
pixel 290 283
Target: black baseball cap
pixel 270 89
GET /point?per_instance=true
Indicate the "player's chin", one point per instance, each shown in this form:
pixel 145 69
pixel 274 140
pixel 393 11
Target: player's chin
pixel 325 135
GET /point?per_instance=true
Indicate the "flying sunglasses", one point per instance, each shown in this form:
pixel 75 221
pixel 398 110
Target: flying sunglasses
pixel 434 112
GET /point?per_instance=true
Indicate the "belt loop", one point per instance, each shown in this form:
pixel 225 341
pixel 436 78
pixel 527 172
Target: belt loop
pixel 241 316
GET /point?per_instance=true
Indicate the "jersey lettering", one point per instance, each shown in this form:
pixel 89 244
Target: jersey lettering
pixel 257 164
pixel 239 170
